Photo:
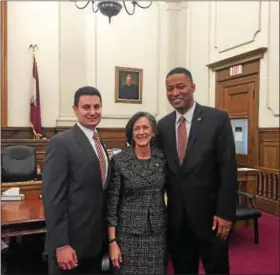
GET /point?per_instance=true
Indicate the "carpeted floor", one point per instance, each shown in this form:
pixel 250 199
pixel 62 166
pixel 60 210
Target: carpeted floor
pixel 248 258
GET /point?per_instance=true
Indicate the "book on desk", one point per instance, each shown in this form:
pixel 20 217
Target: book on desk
pixel 13 198
pixel 12 194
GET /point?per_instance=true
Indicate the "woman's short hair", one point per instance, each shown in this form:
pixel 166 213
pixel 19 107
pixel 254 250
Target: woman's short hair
pixel 133 119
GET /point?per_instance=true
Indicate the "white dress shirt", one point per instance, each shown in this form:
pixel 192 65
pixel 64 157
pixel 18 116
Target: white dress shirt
pixel 188 121
pixel 89 134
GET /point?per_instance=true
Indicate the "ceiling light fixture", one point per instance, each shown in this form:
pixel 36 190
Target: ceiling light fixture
pixel 111 8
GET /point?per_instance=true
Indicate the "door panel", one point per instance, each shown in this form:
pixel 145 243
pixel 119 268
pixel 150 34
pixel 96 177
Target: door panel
pixel 237 97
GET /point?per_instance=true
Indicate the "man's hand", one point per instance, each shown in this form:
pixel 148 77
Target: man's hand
pixel 66 257
pixel 222 226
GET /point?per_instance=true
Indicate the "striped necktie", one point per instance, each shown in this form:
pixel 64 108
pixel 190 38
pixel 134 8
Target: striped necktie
pixel 101 157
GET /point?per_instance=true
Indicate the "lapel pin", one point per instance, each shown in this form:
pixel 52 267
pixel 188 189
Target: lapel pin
pixel 199 119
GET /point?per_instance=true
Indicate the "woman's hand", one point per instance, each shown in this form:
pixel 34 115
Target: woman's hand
pixel 115 254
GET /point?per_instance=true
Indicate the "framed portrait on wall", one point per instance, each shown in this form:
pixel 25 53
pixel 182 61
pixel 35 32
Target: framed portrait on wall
pixel 128 85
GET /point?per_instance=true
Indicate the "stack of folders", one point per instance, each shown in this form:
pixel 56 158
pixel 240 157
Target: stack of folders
pixel 12 194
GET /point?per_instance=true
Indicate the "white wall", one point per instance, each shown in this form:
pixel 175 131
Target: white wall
pixel 218 30
pixel 77 47
pixel 30 23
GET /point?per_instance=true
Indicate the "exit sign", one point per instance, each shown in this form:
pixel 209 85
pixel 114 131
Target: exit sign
pixel 235 70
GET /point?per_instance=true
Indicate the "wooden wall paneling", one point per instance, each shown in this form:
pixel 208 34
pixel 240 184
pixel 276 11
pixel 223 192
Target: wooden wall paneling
pixel 112 137
pixel 272 207
pixel 269 151
pixel 25 132
pixel 4 77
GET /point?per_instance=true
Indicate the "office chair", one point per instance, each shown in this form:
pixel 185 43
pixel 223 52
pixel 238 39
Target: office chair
pixel 19 164
pixel 244 212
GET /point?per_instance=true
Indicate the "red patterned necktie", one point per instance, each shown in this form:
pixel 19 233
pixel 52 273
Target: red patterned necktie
pixel 181 139
pixel 101 157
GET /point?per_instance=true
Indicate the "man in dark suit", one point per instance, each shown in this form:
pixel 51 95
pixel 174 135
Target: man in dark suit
pixel 75 177
pixel 202 178
pixel 129 90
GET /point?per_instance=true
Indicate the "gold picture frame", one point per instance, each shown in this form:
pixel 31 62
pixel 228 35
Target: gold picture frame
pixel 128 85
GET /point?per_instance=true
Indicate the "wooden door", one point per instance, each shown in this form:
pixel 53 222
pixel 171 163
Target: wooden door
pixel 238 98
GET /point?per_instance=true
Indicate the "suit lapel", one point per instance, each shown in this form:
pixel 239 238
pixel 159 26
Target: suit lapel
pixel 173 159
pixel 84 143
pixel 156 158
pixel 109 166
pixel 195 128
pixel 134 165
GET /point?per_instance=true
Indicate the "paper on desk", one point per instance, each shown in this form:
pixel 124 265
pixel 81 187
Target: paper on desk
pixel 14 191
pixel 115 151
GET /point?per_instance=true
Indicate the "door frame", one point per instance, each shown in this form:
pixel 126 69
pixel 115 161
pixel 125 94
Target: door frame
pixel 251 71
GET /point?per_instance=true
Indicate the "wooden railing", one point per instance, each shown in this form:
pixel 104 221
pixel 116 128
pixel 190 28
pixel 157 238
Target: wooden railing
pixel 268 190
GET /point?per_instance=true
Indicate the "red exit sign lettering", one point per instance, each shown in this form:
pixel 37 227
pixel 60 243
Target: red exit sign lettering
pixel 235 70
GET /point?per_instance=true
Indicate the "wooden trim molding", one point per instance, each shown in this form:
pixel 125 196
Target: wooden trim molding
pixel 238 59
pixel 4 76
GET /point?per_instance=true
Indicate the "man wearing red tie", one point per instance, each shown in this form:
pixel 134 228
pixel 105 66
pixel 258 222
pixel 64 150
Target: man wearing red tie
pixel 202 178
pixel 75 176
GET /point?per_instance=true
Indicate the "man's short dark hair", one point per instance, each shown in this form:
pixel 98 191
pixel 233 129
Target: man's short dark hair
pixel 133 119
pixel 180 70
pixel 87 90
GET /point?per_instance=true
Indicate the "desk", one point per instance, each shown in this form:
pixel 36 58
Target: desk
pixel 30 189
pixel 20 218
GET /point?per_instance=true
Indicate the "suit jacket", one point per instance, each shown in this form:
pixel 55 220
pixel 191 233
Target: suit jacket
pixel 73 196
pixel 206 183
pixel 136 195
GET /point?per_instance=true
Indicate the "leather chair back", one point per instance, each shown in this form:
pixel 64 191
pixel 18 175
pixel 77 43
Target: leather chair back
pixel 18 163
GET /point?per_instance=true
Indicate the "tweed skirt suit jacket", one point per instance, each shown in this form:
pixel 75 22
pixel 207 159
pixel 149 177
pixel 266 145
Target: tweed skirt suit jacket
pixel 137 210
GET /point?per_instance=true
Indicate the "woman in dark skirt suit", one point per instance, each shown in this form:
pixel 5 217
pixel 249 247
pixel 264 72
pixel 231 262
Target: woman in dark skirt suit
pixel 136 208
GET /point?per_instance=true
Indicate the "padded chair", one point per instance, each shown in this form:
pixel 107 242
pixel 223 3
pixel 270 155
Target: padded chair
pixel 4 250
pixel 244 213
pixel 19 164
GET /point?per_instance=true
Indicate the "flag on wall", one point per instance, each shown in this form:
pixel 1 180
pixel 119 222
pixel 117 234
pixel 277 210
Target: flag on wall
pixel 35 108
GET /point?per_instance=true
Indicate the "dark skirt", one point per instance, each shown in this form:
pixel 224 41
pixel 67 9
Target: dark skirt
pixel 142 254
